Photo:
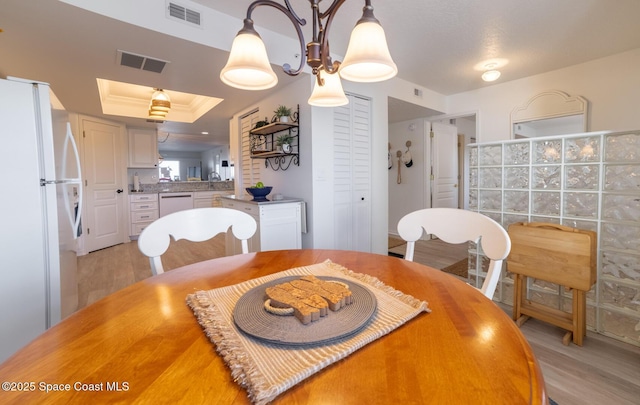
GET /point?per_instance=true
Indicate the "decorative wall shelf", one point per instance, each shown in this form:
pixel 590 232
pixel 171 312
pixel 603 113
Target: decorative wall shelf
pixel 263 144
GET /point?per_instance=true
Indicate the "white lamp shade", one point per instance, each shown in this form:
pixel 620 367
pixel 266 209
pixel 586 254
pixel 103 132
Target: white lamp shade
pixel 368 58
pixel 329 95
pixel 248 66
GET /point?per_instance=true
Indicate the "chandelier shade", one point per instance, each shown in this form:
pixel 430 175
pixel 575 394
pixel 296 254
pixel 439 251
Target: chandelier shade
pixel 327 91
pixel 367 59
pixel 248 67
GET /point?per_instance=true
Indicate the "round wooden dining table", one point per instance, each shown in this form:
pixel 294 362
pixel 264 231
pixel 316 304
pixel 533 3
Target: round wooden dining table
pixel 143 344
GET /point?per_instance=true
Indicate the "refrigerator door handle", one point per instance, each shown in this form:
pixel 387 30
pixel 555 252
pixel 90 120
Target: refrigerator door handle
pixel 74 218
pixel 44 182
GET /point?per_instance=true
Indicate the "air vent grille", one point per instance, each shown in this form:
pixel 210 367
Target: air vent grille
pixel 142 62
pixel 184 14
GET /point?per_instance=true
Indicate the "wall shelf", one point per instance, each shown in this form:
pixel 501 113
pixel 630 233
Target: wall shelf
pixel 263 144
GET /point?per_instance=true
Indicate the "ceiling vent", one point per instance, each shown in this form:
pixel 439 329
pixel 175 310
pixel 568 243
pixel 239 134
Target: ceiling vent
pixel 184 14
pixel 141 62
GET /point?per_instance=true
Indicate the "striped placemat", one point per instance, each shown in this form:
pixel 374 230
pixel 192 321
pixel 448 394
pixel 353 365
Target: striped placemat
pixel 266 370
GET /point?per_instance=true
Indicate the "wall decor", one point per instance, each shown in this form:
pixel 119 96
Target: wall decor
pixel 406 157
pixel 399 155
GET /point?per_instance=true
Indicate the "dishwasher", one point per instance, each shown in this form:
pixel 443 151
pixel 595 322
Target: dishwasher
pixel 173 202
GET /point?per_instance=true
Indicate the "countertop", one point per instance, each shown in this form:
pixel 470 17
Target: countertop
pixel 183 187
pixel 249 199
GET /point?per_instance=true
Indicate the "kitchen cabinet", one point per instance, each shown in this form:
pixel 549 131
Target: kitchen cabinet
pixel 280 224
pixel 143 210
pixel 204 199
pixel 143 148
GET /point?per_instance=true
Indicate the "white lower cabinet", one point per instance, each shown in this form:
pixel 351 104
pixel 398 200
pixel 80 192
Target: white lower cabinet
pixel 279 225
pixel 143 210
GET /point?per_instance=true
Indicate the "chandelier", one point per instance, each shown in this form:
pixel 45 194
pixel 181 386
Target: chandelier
pixel 159 105
pixel 367 58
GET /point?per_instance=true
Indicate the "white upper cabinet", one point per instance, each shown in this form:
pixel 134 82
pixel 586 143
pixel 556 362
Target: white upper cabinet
pixel 143 148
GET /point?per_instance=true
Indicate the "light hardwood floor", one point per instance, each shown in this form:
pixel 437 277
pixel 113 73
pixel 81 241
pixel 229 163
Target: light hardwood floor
pixel 603 371
pixel 434 253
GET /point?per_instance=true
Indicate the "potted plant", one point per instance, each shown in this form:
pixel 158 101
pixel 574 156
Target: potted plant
pixel 283 113
pixel 283 142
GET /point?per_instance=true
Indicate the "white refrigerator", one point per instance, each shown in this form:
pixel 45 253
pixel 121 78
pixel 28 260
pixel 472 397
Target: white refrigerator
pixel 39 213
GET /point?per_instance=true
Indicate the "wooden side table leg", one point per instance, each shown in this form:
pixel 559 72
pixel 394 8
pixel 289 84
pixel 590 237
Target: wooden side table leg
pixel 517 297
pixel 519 293
pixel 579 316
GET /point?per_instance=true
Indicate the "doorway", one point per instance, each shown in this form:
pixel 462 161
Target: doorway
pixel 103 149
pixel 414 190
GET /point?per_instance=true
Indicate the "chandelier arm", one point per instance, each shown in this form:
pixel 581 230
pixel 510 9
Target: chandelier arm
pixel 295 20
pixel 332 8
pixel 330 67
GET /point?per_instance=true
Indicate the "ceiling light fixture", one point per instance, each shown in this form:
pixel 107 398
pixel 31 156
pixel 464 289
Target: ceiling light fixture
pixel 491 73
pixel 367 58
pixel 159 105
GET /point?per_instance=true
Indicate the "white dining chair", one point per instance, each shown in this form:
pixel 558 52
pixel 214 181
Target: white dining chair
pixel 458 226
pixel 196 225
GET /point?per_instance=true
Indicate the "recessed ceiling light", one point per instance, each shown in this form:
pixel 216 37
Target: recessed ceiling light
pixel 204 133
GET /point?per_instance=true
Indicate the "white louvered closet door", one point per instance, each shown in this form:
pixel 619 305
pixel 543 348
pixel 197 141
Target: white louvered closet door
pixel 352 175
pixel 250 167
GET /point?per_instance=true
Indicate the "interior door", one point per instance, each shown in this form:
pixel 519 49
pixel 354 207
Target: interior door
pixel 444 166
pixel 352 175
pixel 103 180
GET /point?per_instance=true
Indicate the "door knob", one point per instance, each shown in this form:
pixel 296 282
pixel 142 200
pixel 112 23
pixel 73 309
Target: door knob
pixel 119 190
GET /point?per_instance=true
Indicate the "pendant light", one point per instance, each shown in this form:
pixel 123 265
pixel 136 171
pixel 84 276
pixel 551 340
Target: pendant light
pixel 368 58
pixel 159 105
pixel 327 91
pixel 248 66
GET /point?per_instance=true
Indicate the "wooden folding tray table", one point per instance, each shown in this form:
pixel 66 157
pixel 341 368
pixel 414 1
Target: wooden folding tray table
pixel 557 254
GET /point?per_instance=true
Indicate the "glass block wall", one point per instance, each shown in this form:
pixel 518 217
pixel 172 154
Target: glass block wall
pixel 588 181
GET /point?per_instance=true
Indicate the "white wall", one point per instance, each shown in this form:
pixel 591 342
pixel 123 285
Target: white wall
pixel 409 195
pixel 611 85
